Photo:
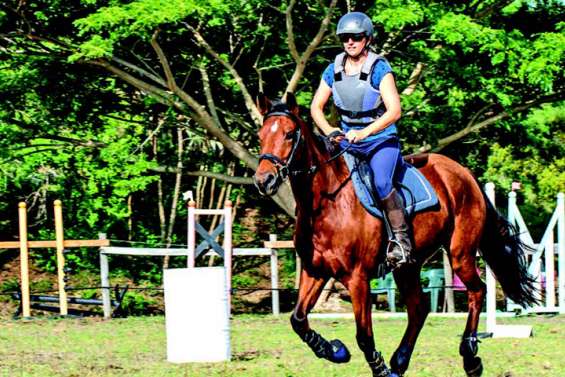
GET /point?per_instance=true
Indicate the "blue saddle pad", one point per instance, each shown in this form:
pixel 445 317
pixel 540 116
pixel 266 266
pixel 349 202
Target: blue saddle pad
pixel 415 190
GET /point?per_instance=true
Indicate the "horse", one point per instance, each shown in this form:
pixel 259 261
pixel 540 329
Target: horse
pixel 336 237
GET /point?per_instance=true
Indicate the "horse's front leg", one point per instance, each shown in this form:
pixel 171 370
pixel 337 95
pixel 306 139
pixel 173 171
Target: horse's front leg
pixel 308 293
pixel 360 297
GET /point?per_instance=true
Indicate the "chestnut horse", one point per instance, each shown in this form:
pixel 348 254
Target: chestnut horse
pixel 336 237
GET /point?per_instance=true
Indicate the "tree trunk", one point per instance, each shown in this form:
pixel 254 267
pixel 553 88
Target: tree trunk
pixel 327 290
pixel 200 187
pixel 215 219
pixel 130 219
pixel 160 204
pixel 176 194
pixel 449 301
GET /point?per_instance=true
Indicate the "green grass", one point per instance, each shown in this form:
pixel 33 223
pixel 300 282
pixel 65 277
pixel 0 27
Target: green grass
pixel 263 346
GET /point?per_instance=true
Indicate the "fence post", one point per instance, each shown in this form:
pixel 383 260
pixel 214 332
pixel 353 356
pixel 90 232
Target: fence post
pixel 491 280
pixel 228 248
pixel 549 271
pixel 274 277
pixel 561 249
pixel 191 234
pixel 105 280
pixel 515 218
pixel 24 264
pixel 59 235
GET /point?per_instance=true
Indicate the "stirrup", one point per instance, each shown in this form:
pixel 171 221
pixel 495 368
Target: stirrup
pixel 395 259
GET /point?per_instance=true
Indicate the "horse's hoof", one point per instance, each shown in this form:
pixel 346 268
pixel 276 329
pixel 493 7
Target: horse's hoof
pixel 384 373
pixel 340 354
pixel 473 367
pixel 392 374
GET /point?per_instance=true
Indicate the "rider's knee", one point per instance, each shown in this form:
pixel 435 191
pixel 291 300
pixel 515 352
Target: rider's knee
pixel 383 186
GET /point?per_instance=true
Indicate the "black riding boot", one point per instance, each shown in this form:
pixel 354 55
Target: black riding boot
pixel 399 250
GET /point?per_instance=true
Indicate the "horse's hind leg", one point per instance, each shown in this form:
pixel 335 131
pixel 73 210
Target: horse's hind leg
pixel 360 298
pixel 308 294
pixel 408 282
pixel 463 250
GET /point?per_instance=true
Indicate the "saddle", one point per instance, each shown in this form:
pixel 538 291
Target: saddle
pixel 416 192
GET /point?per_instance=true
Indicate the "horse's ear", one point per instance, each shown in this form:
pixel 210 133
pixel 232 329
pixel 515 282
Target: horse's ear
pixel 263 103
pixel 291 103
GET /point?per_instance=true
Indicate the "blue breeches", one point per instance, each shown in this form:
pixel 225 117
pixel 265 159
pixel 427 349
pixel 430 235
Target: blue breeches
pixel 384 162
pixel 384 158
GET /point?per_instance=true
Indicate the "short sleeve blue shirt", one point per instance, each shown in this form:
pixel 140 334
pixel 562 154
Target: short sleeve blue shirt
pixel 379 71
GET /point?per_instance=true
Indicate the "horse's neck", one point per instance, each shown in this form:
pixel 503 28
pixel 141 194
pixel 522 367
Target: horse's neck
pixel 328 177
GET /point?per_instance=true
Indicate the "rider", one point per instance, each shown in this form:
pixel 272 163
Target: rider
pixel 365 95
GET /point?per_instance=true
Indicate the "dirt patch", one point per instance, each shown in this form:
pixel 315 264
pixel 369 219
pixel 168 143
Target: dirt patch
pixel 334 304
pixel 253 354
pixel 10 271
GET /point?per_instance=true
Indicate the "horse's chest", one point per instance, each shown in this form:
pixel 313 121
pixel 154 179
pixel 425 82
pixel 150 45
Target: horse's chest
pixel 335 236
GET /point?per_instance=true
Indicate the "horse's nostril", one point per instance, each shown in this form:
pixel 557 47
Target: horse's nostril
pixel 265 182
pixel 269 178
pixel 257 182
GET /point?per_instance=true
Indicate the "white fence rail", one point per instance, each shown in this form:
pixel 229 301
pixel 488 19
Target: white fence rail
pixel 159 252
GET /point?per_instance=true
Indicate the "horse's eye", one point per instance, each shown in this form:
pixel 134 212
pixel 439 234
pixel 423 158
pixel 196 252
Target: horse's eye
pixel 289 136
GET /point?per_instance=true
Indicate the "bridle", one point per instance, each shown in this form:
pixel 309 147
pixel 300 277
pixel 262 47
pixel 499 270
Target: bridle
pixel 284 169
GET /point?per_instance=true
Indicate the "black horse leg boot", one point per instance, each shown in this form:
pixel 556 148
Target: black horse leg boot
pixel 399 250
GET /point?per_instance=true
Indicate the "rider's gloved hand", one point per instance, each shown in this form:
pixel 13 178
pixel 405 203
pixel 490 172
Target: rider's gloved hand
pixel 332 141
pixel 336 136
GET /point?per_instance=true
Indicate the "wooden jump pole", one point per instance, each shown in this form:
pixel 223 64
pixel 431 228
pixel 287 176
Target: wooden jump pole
pixel 24 264
pixel 60 244
pixel 59 238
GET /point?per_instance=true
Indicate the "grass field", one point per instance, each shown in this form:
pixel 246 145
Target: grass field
pixel 263 346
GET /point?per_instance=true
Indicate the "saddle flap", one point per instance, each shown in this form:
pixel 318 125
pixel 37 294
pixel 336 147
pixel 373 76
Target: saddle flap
pixel 415 190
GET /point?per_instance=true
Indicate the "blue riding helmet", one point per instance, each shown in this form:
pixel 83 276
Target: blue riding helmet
pixel 355 23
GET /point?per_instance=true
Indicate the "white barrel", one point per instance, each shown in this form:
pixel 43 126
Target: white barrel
pixel 196 315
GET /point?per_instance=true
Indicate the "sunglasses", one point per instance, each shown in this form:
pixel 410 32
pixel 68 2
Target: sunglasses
pixel 354 37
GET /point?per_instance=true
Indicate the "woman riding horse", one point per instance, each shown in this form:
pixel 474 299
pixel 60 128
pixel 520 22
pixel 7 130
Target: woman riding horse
pixel 336 237
pixel 364 92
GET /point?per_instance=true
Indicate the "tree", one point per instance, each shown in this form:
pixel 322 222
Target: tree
pixel 468 71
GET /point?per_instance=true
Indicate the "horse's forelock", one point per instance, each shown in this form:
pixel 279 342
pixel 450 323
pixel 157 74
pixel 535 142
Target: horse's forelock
pixel 278 105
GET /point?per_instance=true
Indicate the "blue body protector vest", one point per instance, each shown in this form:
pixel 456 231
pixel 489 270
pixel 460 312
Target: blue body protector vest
pixel 357 101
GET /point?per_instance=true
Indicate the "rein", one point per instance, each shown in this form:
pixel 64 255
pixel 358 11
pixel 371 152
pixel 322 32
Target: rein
pixel 284 168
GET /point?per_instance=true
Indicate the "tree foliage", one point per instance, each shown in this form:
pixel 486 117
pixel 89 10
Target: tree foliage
pixel 94 95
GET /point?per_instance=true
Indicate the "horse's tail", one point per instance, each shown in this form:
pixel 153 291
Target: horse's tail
pixel 504 252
